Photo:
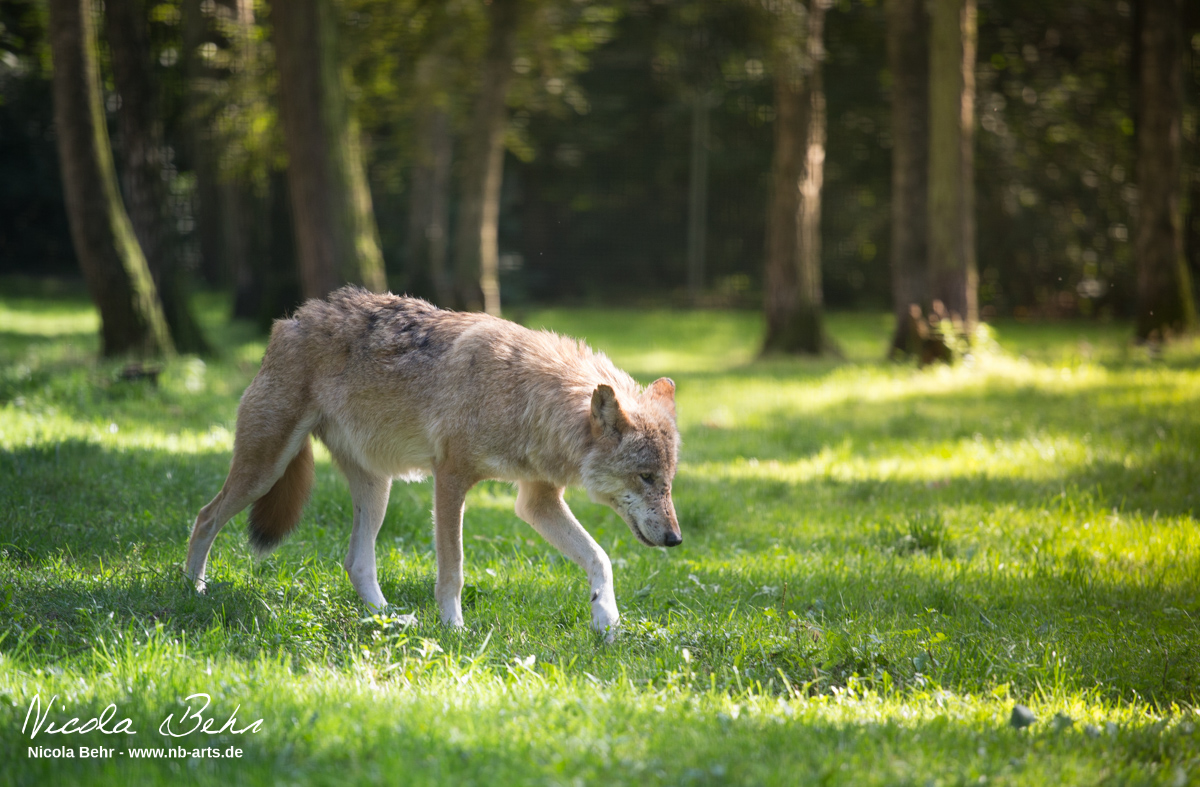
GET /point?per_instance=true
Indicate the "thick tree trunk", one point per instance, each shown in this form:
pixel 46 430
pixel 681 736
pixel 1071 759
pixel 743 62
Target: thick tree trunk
pixel 336 236
pixel 698 196
pixel 1165 302
pixel 112 261
pixel 793 298
pixel 476 249
pixel 142 148
pixel 429 206
pixel 908 61
pixel 952 266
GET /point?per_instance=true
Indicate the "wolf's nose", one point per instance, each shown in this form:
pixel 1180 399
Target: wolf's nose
pixel 673 540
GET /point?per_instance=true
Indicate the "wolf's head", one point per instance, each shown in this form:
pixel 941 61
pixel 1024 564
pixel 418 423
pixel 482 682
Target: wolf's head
pixel 631 463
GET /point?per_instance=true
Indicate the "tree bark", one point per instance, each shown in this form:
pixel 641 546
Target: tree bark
pixel 1165 303
pixel 476 249
pixel 429 206
pixel 908 61
pixel 953 272
pixel 142 148
pixel 113 265
pixel 336 236
pixel 793 298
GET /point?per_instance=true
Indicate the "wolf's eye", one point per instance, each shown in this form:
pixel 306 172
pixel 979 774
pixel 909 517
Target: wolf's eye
pixel 647 477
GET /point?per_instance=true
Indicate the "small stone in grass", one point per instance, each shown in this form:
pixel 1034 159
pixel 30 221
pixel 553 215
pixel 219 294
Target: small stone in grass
pixel 1021 717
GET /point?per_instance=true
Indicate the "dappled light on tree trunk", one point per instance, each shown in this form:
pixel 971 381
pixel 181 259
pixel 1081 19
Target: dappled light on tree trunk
pixel 112 262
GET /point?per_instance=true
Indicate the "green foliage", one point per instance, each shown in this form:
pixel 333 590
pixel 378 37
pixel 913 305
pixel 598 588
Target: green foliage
pixel 878 563
pixel 595 202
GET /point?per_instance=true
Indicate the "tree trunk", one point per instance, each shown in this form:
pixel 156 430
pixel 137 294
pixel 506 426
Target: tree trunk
pixel 1165 302
pixel 476 250
pixel 429 206
pixel 954 277
pixel 336 236
pixel 908 61
pixel 793 299
pixel 113 265
pixel 698 196
pixel 141 145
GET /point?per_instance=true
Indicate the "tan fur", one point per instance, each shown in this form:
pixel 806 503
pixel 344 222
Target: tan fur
pixel 399 389
pixel 276 513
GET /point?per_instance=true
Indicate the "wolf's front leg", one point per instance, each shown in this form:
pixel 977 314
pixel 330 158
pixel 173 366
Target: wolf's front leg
pixel 449 494
pixel 543 507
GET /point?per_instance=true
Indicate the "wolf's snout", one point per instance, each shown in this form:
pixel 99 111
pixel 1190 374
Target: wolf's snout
pixel 672 540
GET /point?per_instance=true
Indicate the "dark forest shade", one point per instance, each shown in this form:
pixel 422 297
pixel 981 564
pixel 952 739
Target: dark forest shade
pixel 1165 304
pixel 113 265
pixel 336 237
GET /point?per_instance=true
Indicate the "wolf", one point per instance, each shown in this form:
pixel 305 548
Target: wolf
pixel 397 388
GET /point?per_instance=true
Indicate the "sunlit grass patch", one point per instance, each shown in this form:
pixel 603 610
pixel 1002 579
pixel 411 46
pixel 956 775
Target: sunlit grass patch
pixel 878 563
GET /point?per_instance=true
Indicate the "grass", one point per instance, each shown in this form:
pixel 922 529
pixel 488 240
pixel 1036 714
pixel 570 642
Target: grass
pixel 878 563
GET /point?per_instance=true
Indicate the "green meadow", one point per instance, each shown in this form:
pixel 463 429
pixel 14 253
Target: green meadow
pixel 879 563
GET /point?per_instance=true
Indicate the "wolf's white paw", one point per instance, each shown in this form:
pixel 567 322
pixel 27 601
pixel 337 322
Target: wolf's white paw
pixel 196 582
pixel 605 618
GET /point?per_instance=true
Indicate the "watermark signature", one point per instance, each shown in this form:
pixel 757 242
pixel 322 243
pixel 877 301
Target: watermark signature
pixel 109 721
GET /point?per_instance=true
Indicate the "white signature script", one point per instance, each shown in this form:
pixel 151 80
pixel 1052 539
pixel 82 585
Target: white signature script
pixel 190 721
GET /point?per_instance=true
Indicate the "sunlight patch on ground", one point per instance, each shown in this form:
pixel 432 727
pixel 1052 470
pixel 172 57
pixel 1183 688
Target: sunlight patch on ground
pixel 42 321
pixel 1039 458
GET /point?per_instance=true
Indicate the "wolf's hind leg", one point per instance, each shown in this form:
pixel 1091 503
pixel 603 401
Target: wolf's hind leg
pixel 543 507
pixel 449 496
pixel 260 459
pixel 370 493
pixel 234 497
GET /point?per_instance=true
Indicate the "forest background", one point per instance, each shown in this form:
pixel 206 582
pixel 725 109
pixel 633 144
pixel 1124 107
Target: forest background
pixel 623 152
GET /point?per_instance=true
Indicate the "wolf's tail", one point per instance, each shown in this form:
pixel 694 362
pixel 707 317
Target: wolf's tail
pixel 276 513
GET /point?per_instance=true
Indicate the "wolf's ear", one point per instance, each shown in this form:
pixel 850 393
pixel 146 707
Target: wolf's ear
pixel 608 419
pixel 662 392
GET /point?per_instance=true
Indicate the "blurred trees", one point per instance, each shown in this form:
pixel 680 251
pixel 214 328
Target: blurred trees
pixel 1165 301
pixel 953 273
pixel 142 152
pixel 908 64
pixel 635 160
pixel 336 237
pixel 792 288
pixel 118 278
pixel 935 278
pixel 477 253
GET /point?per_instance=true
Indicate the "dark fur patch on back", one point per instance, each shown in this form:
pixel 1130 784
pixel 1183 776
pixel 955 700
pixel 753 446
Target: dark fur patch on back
pixel 276 513
pixel 397 326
